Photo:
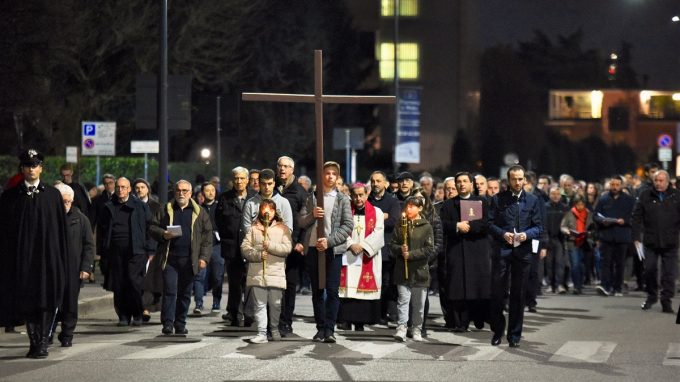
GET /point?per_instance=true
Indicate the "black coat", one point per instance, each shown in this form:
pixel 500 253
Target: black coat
pixel 621 207
pixel 80 256
pixel 81 199
pixel 468 258
pixel 33 251
pixel 297 197
pixel 390 205
pixel 228 220
pixel 657 222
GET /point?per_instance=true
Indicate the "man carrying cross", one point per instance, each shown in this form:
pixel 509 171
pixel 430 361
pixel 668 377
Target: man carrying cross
pixel 337 226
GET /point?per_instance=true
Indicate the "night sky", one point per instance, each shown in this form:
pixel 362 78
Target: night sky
pixel 644 23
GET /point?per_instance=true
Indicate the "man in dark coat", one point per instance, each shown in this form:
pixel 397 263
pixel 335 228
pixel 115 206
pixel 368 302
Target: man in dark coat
pixel 289 188
pixel 34 250
pixel 99 206
pixel 82 197
pixel 514 221
pixel 228 220
pixel 612 215
pixel 656 224
pixel 78 263
pixel 128 247
pixel 468 262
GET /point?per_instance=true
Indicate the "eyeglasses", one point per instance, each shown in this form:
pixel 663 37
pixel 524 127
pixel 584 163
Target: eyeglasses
pixel 182 191
pixel 68 202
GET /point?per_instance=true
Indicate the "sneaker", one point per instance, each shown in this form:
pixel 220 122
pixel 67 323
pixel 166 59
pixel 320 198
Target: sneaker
pixel 259 339
pixel 416 335
pixel 400 335
pixel 181 330
pixel 167 329
pixel 198 310
pixel 601 291
pixel 276 335
pixel 330 339
pixel 146 316
pixel 561 290
pixel 318 337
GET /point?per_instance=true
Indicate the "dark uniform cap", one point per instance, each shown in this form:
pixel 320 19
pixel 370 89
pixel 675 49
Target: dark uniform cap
pixel 31 157
pixel 405 175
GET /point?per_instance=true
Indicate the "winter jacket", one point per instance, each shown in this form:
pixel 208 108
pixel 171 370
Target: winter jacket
pixel 280 245
pixel 421 248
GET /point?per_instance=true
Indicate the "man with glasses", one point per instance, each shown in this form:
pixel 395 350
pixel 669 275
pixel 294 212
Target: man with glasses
pixel 185 235
pixel 34 250
pixel 127 247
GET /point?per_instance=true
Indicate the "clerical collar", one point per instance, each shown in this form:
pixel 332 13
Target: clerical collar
pixel 34 184
pixel 361 211
pixel 332 193
pixel 466 197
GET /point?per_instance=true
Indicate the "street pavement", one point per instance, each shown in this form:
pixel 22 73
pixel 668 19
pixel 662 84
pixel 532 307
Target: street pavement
pixel 571 338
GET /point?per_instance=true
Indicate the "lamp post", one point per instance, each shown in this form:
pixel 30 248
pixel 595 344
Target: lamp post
pixel 205 155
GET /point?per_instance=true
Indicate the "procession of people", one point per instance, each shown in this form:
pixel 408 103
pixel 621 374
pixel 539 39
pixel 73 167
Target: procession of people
pixel 371 253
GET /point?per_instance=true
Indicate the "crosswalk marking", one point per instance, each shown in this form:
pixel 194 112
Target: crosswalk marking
pixel 584 351
pixel 168 351
pixel 672 355
pixel 77 349
pixel 483 353
pixel 373 349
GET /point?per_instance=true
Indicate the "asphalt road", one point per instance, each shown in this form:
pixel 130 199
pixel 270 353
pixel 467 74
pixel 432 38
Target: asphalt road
pixel 571 338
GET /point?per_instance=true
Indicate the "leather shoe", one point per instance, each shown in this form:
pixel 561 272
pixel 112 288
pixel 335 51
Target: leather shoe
pixel 667 308
pixel 66 343
pixel 532 309
pixel 513 343
pixel 496 340
pixel 167 329
pixel 181 330
pixel 647 305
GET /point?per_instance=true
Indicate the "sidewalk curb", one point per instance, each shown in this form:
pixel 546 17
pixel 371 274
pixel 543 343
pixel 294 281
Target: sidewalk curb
pixel 93 305
pixel 86 307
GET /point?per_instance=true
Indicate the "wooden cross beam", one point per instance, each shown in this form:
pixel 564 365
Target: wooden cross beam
pixel 318 99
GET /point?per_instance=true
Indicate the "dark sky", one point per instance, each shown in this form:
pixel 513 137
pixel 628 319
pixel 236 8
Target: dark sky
pixel 644 23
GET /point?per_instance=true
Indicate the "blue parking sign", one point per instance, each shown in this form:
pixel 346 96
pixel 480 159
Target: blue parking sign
pixel 89 129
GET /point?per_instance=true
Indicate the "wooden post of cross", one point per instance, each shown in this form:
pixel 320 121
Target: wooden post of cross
pixel 318 99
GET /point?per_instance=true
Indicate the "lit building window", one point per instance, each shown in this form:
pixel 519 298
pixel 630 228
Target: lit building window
pixel 406 8
pixel 408 60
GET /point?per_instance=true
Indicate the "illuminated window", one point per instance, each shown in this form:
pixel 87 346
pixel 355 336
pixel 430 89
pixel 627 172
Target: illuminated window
pixel 408 60
pixel 406 8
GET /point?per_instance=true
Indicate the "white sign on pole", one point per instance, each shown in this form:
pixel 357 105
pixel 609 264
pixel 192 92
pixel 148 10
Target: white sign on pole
pixel 665 154
pixel 71 154
pixel 144 147
pixel 99 138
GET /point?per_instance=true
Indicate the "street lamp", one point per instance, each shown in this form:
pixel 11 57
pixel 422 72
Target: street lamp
pixel 675 19
pixel 205 155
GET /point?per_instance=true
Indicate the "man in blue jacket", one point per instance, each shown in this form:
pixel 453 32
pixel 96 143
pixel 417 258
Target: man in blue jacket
pixel 514 221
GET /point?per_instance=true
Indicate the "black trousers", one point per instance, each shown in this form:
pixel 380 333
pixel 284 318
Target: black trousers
pixel 288 304
pixel 533 285
pixel 613 263
pixel 515 269
pixel 236 277
pixel 388 291
pixel 128 273
pixel 669 270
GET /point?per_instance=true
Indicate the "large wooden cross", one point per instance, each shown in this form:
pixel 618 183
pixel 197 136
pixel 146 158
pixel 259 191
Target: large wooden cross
pixel 318 99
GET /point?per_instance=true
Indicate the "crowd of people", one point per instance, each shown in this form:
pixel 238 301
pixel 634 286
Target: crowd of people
pixel 369 253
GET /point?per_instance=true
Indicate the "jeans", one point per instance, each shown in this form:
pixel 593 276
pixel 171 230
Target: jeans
pixel 178 277
pixel 326 301
pixel 613 265
pixel 413 297
pixel 214 277
pixel 264 298
pixel 576 256
pixel 199 287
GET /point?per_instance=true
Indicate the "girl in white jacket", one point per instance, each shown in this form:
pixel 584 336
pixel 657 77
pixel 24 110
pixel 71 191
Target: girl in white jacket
pixel 265 247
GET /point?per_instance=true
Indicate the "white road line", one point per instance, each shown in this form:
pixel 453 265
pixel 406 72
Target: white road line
pixel 672 355
pixel 375 350
pixel 483 353
pixel 168 351
pixel 78 348
pixel 584 351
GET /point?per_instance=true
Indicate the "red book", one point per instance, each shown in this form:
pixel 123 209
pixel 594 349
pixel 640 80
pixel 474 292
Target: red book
pixel 471 210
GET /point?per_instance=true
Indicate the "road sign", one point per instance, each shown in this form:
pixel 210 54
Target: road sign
pixel 664 140
pixel 144 147
pixel 71 154
pixel 356 138
pixel 99 138
pixel 665 154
